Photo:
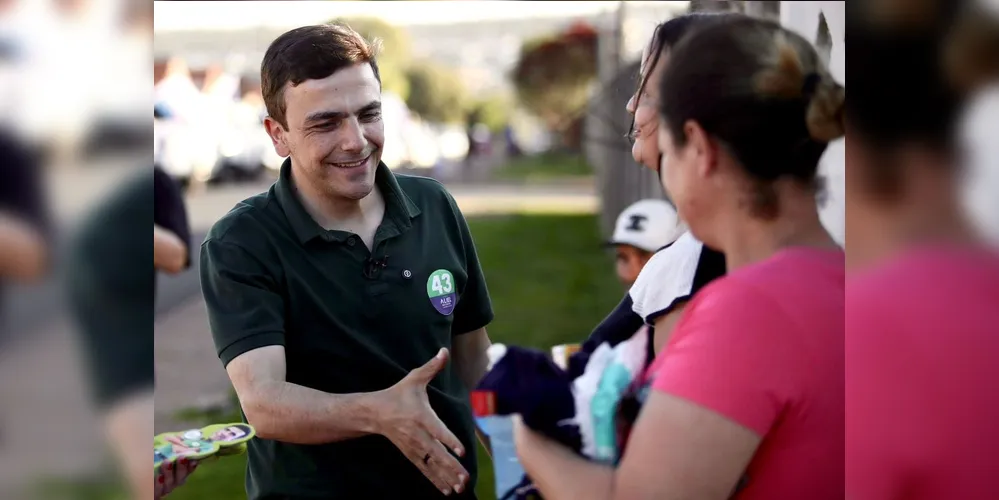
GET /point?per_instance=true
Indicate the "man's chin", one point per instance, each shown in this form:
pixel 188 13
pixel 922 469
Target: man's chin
pixel 356 191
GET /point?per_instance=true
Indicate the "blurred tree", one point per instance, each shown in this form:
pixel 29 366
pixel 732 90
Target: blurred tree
pixel 394 56
pixel 493 111
pixel 554 74
pixel 436 93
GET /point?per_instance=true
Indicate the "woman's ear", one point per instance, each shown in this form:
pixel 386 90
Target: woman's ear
pixel 702 149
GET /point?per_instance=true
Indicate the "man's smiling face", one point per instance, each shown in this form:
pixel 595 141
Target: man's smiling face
pixel 335 131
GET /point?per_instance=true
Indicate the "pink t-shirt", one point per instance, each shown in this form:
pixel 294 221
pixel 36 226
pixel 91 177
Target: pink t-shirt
pixel 763 346
pixel 922 392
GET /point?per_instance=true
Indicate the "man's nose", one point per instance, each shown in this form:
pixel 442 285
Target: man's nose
pixel 353 139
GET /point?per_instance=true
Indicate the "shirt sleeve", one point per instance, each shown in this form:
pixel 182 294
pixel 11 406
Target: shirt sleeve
pixel 620 325
pixel 22 191
pixel 474 309
pixel 727 355
pixel 245 306
pixel 169 210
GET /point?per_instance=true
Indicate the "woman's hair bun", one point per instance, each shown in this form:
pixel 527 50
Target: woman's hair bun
pixel 971 51
pixel 825 114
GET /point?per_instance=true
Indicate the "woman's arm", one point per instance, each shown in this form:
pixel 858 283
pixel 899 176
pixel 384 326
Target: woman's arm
pixel 678 450
pixel 557 471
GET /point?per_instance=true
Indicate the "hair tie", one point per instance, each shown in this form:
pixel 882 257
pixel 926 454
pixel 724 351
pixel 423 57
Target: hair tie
pixel 810 84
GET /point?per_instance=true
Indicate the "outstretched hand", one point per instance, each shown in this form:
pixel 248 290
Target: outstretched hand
pixel 407 420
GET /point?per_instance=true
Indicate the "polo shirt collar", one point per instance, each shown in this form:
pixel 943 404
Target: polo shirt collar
pixel 400 210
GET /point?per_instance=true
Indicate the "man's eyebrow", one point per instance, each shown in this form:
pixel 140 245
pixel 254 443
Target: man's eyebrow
pixel 323 116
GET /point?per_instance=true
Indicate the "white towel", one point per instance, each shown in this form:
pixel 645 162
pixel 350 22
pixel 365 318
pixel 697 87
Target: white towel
pixel 667 277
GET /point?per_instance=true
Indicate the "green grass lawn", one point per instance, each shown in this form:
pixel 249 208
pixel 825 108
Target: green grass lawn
pixel 544 167
pixel 550 282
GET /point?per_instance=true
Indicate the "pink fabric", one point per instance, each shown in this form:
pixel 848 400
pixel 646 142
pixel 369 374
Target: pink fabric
pixel 922 351
pixel 763 347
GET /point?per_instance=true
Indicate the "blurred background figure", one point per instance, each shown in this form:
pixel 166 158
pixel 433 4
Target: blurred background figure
pixel 24 218
pixel 923 300
pixel 112 298
pixel 642 229
pixel 74 109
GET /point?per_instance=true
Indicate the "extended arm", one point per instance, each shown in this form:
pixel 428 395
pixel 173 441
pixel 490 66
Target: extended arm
pixel 292 413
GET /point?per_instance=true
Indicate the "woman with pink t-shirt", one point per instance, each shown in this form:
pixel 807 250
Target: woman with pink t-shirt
pixel 922 298
pixel 746 398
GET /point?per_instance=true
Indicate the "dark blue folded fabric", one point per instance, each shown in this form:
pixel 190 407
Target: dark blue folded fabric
pixel 527 382
pixel 617 327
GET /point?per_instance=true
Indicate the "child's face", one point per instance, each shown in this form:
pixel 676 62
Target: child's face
pixel 629 263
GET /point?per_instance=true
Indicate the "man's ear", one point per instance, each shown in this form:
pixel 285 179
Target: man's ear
pixel 703 150
pixel 278 136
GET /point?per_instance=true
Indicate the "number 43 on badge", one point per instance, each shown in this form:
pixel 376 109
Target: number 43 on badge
pixel 440 290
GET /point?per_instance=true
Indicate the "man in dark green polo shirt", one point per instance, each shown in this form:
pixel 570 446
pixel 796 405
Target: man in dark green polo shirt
pixel 347 303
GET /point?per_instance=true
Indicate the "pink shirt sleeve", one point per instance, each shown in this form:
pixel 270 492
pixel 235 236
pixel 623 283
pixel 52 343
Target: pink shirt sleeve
pixel 731 354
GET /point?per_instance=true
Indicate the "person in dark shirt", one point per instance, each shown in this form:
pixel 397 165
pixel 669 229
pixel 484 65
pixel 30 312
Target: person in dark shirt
pixel 111 292
pixel 347 303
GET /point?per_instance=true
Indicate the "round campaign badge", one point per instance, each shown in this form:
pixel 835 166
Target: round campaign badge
pixel 440 289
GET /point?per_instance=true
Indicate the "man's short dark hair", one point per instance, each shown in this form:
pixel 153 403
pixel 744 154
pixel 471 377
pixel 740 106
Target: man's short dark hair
pixel 310 53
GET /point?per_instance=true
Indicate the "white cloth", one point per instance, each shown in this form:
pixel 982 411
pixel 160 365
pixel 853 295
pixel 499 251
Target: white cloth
pixel 667 277
pixel 627 365
pixel 584 388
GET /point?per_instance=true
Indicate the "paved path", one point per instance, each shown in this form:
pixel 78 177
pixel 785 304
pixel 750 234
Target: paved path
pixel 188 372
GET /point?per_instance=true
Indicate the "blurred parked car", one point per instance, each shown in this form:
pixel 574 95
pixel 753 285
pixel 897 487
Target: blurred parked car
pixel 452 142
pixel 397 120
pixel 230 144
pixel 242 149
pixel 115 134
pixel 422 146
pixel 187 152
